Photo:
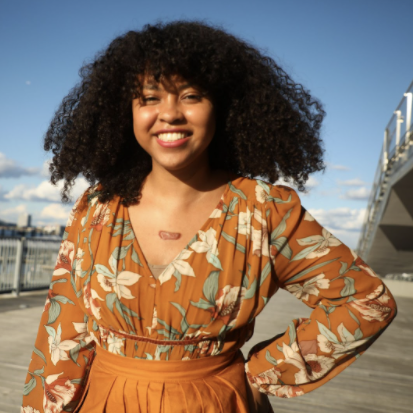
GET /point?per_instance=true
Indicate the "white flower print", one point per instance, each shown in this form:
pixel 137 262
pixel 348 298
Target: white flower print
pixel 244 223
pixel 57 393
pixel 154 321
pixel 64 259
pixel 118 284
pixel 308 216
pixel 79 261
pixel 208 242
pixel 81 328
pixel 115 343
pixel 228 304
pixel 28 409
pixel 260 243
pixel 323 242
pixel 311 366
pixel 260 194
pixel 178 264
pixel 58 348
pixel 311 286
pixel 374 306
pixel 328 342
pixel 90 300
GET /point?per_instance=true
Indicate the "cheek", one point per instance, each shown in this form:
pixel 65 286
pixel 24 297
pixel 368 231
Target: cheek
pixel 203 118
pixel 143 120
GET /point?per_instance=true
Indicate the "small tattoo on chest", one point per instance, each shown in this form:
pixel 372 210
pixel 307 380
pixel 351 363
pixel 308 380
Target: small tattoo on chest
pixel 166 235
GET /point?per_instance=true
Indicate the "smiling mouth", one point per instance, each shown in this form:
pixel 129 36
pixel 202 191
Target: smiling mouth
pixel 172 137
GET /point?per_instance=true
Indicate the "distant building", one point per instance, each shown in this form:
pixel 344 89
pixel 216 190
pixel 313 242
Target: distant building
pixel 24 220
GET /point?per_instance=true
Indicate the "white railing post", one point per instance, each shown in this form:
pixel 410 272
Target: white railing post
pixel 385 150
pixel 408 116
pixel 18 266
pixel 399 121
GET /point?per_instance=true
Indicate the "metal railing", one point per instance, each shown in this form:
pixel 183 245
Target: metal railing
pixel 397 149
pixel 26 263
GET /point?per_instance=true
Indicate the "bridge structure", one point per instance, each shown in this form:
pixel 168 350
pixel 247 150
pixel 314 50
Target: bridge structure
pixel 386 239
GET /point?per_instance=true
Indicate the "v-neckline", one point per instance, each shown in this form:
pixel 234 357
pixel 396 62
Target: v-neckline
pixel 138 248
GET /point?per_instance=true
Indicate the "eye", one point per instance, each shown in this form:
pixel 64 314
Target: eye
pixel 193 97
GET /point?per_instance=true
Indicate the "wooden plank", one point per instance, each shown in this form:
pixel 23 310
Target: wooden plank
pixel 379 381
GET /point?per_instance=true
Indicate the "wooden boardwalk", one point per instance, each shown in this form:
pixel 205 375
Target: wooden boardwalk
pixel 380 381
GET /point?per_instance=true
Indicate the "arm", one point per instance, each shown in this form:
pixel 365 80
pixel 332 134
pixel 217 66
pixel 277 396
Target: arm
pixel 351 305
pixel 63 349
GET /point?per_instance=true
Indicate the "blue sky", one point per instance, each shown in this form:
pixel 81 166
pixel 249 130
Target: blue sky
pixel 354 56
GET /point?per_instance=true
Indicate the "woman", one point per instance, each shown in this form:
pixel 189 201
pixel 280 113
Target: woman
pixel 175 248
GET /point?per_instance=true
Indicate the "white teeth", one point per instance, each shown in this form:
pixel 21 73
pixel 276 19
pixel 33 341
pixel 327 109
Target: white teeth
pixel 170 137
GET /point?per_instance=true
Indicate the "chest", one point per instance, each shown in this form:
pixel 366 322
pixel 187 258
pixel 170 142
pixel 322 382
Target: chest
pixel 162 232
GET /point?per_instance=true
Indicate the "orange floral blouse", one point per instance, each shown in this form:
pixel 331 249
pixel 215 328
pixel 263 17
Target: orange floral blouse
pixel 258 238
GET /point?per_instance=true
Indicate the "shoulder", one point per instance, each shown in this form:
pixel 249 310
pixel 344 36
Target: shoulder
pixel 262 192
pixel 81 208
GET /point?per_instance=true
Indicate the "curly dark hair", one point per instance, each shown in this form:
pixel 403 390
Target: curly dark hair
pixel 266 124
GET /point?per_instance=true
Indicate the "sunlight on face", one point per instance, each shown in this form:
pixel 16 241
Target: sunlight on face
pixel 173 121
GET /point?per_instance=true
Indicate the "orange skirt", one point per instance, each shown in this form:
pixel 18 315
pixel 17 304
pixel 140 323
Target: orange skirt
pixel 118 384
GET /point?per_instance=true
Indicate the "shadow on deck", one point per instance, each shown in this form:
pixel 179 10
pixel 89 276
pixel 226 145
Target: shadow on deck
pixel 380 381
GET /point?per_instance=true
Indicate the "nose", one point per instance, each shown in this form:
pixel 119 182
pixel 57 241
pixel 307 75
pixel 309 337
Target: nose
pixel 170 111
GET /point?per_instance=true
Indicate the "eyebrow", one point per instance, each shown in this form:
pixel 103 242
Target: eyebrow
pixel 153 86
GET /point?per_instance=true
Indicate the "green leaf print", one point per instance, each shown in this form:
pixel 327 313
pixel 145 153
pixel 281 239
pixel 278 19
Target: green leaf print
pixel 62 299
pixel 110 299
pixel 279 200
pixel 210 288
pixel 74 354
pixel 281 226
pixel 358 334
pixel 40 354
pixel 237 191
pixel 101 269
pixel 135 257
pixel 214 260
pixel 308 270
pixel 204 305
pixel 54 312
pixel 292 333
pixel 327 333
pixel 250 293
pixel 302 254
pixel 51 331
pixel 60 280
pixel 39 371
pixel 348 287
pixel 231 239
pixel 281 244
pixel 233 204
pixel 28 387
pixel 264 186
pixel 264 273
pixel 343 268
pixel 270 358
pixel 178 281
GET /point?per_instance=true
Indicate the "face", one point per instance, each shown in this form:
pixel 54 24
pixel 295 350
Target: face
pixel 174 122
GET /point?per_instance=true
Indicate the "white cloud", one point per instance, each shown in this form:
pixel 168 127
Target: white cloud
pixel 28 82
pixel 55 213
pixel 45 169
pixel 11 214
pixel 337 167
pixel 10 169
pixel 352 182
pixel 45 191
pixel 360 194
pixel 311 183
pixel 343 223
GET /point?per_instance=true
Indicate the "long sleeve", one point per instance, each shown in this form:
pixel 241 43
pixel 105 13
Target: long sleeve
pixel 63 348
pixel 351 305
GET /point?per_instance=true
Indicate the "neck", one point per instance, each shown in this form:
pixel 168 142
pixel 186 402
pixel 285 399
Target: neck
pixel 180 187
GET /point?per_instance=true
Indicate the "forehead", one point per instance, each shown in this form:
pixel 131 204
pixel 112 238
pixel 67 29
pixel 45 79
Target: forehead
pixel 174 82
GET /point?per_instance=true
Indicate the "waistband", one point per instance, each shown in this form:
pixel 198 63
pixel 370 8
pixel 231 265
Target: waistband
pixel 161 370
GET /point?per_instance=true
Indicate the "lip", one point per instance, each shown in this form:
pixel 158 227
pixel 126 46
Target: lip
pixel 172 144
pixel 173 131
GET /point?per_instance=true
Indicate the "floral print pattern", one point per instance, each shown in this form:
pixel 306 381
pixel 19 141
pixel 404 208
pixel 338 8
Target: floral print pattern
pixel 257 239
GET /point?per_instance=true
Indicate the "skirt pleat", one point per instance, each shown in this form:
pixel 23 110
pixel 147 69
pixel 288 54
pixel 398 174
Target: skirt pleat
pixel 120 384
